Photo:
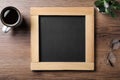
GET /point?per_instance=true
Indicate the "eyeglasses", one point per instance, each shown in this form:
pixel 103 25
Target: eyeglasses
pixel 111 58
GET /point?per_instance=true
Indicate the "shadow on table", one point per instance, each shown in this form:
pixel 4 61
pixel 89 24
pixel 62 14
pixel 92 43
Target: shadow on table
pixel 24 28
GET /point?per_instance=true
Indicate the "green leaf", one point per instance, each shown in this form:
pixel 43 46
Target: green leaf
pixel 106 4
pixel 98 3
pixel 102 8
pixel 107 0
pixel 106 10
pixel 116 5
pixel 112 13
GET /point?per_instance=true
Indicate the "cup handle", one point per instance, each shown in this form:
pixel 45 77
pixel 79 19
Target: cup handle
pixel 5 29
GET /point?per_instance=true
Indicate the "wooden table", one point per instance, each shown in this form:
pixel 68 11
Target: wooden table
pixel 15 45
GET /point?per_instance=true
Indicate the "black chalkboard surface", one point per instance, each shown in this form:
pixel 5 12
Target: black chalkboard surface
pixel 62 38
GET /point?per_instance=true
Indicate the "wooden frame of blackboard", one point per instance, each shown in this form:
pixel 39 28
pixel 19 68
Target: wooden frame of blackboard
pixel 88 12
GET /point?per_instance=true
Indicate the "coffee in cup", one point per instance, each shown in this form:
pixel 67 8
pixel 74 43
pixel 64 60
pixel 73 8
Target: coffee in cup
pixel 11 18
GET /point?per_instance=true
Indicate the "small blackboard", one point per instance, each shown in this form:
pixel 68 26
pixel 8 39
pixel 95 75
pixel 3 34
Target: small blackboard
pixel 62 38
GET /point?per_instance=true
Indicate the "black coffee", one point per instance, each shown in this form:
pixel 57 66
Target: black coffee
pixel 10 16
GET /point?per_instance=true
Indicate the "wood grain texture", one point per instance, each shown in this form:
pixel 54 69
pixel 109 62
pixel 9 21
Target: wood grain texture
pixel 34 39
pixel 62 66
pixel 62 11
pixel 15 45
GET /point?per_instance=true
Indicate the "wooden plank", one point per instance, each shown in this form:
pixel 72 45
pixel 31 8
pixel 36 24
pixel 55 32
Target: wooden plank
pixel 61 10
pixel 90 38
pixel 62 66
pixel 34 39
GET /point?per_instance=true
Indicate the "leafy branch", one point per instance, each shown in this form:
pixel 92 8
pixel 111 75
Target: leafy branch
pixel 108 6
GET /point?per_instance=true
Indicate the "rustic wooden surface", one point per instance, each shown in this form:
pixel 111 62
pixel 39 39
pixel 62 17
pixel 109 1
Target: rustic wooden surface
pixel 15 45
